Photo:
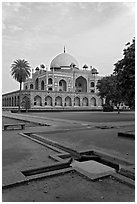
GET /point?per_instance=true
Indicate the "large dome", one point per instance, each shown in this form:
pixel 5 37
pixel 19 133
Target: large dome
pixel 63 59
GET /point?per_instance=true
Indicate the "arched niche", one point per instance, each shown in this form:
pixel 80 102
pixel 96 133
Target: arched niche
pixel 58 101
pixel 93 101
pixel 37 101
pixel 68 101
pixel 62 85
pixel 81 84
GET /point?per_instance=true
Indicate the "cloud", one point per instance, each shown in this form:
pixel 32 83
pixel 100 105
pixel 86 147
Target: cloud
pixel 130 6
pixel 3 26
pixel 14 28
pixel 17 6
pixel 10 10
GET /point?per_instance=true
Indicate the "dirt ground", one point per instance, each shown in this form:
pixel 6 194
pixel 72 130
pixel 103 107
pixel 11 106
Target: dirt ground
pixel 88 116
pixel 20 153
pixel 70 187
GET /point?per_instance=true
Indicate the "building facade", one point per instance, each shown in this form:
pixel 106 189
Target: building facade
pixel 64 85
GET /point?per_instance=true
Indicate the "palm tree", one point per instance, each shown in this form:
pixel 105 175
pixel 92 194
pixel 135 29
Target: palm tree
pixel 20 70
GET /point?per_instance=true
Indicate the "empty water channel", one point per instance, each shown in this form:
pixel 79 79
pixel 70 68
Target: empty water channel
pixel 67 159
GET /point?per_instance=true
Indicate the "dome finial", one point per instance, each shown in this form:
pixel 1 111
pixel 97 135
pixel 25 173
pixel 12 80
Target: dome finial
pixel 64 49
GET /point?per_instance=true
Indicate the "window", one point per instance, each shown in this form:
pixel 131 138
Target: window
pixel 49 81
pixel 92 84
pixel 50 89
pixel 42 85
pixel 31 86
pixel 37 84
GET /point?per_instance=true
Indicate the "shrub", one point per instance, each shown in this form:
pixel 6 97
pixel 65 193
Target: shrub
pixel 107 108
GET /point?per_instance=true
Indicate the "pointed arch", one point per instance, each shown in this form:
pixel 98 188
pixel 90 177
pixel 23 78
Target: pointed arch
pixel 37 101
pixel 62 85
pixel 76 101
pixel 85 101
pixel 68 101
pixel 48 101
pixel 93 101
pixel 49 80
pixel 42 85
pixel 58 101
pixel 81 84
pixel 31 86
pixel 100 102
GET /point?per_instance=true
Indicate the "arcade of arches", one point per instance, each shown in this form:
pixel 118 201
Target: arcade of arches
pixel 67 101
pixel 57 101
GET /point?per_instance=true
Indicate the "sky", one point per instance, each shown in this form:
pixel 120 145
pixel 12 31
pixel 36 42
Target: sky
pixel 95 33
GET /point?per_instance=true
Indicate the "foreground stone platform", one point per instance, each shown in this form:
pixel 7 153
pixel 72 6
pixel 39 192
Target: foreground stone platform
pixel 92 169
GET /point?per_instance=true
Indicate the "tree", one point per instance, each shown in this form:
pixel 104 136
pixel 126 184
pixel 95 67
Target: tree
pixel 107 89
pixel 125 74
pixel 42 66
pixel 20 70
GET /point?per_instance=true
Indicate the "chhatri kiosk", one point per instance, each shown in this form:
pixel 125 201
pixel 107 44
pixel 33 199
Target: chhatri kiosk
pixel 64 85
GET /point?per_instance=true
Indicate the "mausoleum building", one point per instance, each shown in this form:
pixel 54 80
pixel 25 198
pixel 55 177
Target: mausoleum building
pixel 64 85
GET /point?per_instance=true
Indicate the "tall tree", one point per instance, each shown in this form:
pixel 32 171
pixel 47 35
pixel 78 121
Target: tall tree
pixel 20 70
pixel 125 73
pixel 107 89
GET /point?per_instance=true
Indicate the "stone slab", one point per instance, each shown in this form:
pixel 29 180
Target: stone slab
pixel 92 169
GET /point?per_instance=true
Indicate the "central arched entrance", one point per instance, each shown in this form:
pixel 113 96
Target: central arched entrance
pixel 81 84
